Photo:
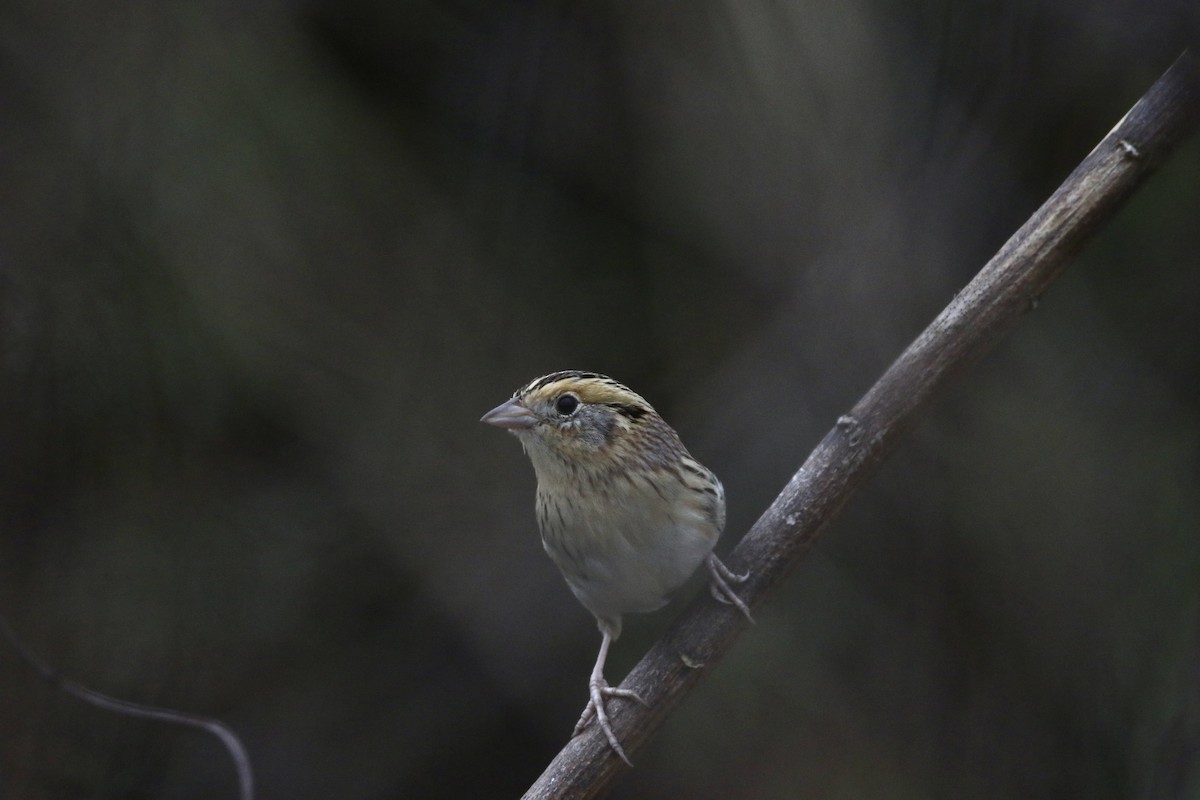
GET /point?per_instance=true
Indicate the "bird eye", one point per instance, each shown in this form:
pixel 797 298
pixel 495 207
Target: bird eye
pixel 566 404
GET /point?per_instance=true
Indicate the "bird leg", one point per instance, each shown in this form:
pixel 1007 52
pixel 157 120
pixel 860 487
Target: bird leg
pixel 719 585
pixel 598 689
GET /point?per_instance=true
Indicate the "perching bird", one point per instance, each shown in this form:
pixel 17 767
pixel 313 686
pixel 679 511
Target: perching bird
pixel 624 510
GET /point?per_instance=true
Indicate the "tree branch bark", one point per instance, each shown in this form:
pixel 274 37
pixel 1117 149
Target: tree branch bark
pixel 1004 290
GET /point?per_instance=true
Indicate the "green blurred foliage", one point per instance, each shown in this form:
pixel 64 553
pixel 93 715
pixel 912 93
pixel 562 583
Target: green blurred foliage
pixel 263 266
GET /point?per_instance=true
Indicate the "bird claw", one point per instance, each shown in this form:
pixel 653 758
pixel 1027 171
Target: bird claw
pixel 599 690
pixel 719 585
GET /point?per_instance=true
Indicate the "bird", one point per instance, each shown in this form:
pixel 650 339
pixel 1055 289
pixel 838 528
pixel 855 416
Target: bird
pixel 624 510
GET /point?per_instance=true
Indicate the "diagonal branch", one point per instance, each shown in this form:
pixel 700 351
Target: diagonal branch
pixel 1005 289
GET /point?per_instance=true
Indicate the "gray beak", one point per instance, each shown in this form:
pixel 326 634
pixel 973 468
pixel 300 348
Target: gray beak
pixel 511 415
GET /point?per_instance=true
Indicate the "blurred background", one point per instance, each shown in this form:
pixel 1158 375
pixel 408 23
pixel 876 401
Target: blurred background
pixel 263 266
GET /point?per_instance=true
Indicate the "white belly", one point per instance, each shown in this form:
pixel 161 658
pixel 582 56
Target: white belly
pixel 626 551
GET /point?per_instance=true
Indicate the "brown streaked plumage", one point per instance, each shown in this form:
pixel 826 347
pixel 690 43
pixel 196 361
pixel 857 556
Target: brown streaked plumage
pixel 624 510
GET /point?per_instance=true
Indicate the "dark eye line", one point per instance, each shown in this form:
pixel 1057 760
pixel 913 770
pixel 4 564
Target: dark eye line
pixel 627 410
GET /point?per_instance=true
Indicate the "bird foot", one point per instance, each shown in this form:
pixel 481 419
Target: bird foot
pixel 598 691
pixel 719 585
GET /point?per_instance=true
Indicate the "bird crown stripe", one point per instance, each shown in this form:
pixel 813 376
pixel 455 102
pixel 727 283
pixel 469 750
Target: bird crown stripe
pixel 585 379
pixel 546 380
pixel 592 387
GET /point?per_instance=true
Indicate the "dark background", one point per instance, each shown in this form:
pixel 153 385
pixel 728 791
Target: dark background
pixel 264 265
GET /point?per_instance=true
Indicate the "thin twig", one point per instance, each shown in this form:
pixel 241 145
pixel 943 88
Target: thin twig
pixel 217 728
pixel 1005 289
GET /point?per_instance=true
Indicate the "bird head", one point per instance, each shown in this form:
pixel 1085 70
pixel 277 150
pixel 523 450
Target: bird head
pixel 581 418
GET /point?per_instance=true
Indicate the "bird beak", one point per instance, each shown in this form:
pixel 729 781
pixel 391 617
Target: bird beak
pixel 511 415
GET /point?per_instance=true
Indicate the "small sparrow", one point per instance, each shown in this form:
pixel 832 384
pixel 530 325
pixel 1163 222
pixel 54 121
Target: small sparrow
pixel 624 510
